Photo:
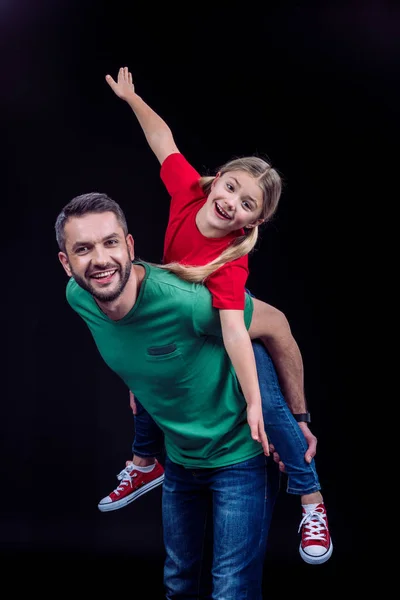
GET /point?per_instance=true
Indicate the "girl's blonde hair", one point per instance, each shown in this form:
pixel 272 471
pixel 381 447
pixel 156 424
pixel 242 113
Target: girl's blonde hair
pixel 271 185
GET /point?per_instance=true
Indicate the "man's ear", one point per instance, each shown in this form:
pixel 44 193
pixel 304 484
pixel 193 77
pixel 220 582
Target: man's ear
pixel 63 258
pixel 131 246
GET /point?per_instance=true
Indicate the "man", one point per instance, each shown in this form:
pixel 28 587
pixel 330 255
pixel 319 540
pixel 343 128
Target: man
pixel 161 335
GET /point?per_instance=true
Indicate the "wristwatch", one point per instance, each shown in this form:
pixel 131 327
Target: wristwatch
pixel 303 417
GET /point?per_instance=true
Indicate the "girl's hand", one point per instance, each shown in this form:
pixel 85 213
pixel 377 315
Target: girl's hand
pixel 123 87
pixel 132 402
pixel 277 459
pixel 256 424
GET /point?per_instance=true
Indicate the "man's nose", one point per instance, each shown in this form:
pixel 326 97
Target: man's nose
pixel 100 255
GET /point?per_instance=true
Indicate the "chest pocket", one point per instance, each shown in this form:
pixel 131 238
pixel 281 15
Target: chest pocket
pixel 162 351
pixel 167 368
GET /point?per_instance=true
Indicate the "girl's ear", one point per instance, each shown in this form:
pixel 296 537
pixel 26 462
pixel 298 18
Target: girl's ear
pixel 218 175
pixel 255 224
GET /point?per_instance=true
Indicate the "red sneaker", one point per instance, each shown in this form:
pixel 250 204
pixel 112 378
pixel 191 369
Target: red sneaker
pixel 133 484
pixel 316 545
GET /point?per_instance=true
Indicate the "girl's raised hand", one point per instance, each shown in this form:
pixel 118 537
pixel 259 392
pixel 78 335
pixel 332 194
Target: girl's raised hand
pixel 123 87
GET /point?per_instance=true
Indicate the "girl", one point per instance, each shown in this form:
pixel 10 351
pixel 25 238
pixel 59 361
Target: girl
pixel 213 225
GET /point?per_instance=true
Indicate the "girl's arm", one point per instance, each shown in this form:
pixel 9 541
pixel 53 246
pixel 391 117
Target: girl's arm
pixel 240 350
pixel 158 134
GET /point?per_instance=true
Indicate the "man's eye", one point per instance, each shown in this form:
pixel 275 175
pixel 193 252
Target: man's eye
pixel 112 242
pixel 81 249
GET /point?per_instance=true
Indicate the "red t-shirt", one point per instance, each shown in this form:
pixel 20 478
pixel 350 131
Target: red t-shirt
pixel 185 244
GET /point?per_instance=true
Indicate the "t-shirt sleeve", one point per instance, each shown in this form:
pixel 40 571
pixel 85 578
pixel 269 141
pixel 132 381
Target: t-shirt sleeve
pixel 182 183
pixel 178 174
pixel 206 318
pixel 227 285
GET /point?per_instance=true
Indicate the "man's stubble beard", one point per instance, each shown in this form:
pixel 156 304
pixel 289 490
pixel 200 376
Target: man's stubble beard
pixel 106 296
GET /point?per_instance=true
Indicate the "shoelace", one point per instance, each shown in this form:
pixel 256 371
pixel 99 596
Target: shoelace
pixel 315 526
pixel 126 479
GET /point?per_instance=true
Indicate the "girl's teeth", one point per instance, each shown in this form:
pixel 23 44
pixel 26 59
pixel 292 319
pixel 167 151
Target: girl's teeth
pixel 222 212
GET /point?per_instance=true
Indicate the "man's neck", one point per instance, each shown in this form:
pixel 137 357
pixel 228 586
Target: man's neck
pixel 118 309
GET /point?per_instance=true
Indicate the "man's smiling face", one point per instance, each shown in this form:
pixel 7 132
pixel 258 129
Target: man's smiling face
pixel 98 254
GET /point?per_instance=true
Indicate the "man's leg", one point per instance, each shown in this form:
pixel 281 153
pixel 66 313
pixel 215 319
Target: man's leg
pixel 273 487
pixel 144 472
pixel 240 523
pixel 185 508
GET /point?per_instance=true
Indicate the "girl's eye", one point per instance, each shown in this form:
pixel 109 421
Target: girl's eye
pixel 230 187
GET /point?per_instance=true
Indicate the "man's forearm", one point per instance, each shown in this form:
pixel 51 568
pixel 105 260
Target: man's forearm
pixel 288 362
pixel 271 326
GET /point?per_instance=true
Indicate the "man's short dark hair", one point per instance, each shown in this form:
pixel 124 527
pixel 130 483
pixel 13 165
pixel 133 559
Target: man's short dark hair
pixel 85 204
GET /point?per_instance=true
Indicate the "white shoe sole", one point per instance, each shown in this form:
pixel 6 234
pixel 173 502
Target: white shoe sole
pixel 108 506
pixel 316 560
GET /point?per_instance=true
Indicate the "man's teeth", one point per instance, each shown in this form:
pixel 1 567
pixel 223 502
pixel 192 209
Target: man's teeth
pixel 105 274
pixel 222 212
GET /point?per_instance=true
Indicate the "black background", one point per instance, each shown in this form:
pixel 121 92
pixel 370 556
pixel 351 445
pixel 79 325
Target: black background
pixel 311 85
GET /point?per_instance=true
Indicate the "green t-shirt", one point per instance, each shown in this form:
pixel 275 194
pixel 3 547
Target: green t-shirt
pixel 169 351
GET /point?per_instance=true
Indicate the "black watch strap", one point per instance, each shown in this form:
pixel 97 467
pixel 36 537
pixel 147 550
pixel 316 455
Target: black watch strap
pixel 303 417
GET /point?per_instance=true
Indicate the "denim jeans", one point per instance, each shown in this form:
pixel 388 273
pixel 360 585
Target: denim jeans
pixel 149 439
pixel 282 429
pixel 236 502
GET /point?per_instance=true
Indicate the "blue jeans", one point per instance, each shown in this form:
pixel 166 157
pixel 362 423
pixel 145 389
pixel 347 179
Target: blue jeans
pixel 149 439
pixel 282 429
pixel 236 502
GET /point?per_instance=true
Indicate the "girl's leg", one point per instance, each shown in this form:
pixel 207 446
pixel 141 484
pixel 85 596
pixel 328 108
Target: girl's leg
pixel 282 428
pixel 144 472
pixel 149 439
pixel 283 431
pixel 287 437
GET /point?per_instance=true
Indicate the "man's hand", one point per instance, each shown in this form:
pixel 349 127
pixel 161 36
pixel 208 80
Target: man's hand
pixel 123 87
pixel 132 402
pixel 310 452
pixel 311 441
pixel 257 429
